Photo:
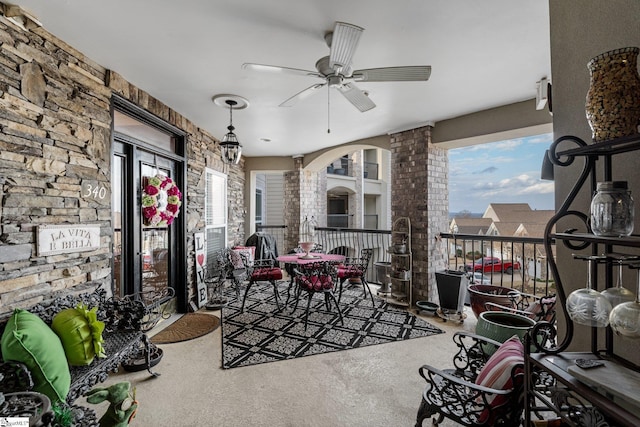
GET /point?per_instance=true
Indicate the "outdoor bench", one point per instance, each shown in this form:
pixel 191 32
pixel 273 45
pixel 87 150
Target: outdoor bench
pixel 126 320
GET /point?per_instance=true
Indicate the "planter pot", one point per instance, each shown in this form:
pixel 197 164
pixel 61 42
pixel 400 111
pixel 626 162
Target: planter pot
pixel 479 295
pixel 501 325
pixel 427 307
pixel 399 248
pixel 138 361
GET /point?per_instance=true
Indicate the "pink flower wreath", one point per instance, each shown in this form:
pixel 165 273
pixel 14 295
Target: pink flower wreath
pixel 161 201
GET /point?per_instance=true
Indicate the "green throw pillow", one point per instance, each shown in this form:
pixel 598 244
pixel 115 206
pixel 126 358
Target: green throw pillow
pixel 81 334
pixel 29 340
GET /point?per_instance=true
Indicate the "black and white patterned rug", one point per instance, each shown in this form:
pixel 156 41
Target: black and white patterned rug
pixel 262 334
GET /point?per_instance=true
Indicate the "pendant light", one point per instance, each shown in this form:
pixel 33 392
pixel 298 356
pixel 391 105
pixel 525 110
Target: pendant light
pixel 231 148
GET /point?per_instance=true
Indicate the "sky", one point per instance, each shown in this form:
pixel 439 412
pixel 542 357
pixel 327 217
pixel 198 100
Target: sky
pixel 499 172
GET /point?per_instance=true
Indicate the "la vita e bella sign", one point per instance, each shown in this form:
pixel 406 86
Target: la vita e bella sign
pixel 62 239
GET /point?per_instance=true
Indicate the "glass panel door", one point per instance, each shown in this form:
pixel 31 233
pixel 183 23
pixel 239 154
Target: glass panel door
pixel 144 255
pixel 155 240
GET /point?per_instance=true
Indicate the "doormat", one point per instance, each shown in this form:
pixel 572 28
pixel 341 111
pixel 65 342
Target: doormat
pixel 262 334
pixel 188 327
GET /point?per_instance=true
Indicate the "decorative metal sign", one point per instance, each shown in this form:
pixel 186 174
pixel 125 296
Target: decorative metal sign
pixel 62 239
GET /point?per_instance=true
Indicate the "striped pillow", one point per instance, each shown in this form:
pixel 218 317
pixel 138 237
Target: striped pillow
pixel 496 373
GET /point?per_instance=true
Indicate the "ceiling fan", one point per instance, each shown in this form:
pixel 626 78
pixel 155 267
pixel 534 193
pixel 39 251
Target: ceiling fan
pixel 337 72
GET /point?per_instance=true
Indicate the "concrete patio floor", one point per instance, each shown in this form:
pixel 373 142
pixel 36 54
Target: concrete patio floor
pixel 372 386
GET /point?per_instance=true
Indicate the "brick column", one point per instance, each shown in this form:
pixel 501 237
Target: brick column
pixel 305 197
pixel 292 201
pixel 419 191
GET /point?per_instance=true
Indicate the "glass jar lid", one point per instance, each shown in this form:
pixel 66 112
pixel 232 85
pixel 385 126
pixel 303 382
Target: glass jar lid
pixel 612 185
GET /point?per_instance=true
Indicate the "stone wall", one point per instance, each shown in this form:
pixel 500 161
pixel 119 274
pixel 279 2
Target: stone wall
pixel 55 124
pixel 292 205
pixel 419 191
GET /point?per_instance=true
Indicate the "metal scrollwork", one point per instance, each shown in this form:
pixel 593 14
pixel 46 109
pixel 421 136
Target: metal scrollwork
pixel 561 158
pixel 576 409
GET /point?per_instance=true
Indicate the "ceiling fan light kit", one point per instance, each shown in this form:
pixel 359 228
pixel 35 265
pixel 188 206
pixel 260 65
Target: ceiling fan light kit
pixel 337 72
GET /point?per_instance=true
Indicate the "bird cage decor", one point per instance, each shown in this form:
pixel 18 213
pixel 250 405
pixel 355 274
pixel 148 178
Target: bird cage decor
pixel 307 235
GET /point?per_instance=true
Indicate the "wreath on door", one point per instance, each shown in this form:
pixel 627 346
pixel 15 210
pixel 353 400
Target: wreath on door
pixel 161 200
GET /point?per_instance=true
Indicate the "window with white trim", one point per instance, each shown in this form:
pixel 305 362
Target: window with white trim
pixel 215 212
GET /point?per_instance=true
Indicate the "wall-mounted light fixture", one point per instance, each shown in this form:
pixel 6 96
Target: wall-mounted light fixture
pixel 230 146
pixel 542 93
pixel 546 172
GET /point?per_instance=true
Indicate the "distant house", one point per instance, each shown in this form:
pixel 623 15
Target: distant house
pixel 507 220
pixel 506 212
pixel 470 225
pixel 500 228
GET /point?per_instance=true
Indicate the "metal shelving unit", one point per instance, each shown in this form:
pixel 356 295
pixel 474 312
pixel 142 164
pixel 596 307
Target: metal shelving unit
pixel 553 381
pixel 401 264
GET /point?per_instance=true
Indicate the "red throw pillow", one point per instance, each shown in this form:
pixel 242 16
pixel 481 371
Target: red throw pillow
pixel 496 373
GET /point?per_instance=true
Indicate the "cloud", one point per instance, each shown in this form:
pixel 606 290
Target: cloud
pixel 523 184
pixel 546 138
pixel 546 187
pixel 501 172
pixel 490 169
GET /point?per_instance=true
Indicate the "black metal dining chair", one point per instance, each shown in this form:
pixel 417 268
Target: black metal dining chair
pixel 354 271
pixel 314 278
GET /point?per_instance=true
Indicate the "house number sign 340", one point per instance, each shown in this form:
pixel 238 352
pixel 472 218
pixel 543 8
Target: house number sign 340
pixel 94 190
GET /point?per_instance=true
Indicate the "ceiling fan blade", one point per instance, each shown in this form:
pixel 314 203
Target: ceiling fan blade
pixel 283 70
pixel 393 74
pixel 357 97
pixel 306 93
pixel 344 42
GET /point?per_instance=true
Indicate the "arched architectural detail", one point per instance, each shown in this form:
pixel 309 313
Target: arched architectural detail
pixel 315 162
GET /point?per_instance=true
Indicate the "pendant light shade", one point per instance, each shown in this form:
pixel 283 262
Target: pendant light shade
pixel 231 148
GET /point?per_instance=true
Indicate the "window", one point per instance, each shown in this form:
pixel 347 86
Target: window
pixel 215 212
pixel 258 207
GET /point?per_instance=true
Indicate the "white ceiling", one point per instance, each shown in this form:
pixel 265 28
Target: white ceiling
pixel 483 54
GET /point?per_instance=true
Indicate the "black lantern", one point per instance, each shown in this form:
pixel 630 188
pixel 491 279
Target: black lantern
pixel 231 148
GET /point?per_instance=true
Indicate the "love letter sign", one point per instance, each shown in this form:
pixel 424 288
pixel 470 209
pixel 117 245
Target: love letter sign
pixel 201 260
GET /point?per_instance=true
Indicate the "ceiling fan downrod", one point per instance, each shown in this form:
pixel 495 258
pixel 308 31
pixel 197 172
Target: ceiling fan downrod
pixel 328 109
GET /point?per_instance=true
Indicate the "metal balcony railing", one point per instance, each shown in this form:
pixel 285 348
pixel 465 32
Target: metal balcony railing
pixel 345 241
pixel 526 255
pixel 531 276
pixel 370 170
pixel 338 220
pixel 341 169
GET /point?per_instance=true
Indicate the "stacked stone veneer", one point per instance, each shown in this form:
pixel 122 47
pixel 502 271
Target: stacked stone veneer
pixel 55 133
pixel 304 197
pixel 419 192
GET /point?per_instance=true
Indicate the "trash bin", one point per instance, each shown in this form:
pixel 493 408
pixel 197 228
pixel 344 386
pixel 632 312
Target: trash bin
pixel 452 289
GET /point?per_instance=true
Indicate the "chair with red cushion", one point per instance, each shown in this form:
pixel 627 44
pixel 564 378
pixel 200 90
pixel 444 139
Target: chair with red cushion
pixel 316 277
pixel 480 390
pixel 354 271
pixel 263 270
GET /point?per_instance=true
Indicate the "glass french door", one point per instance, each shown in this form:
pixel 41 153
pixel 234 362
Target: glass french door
pixel 144 255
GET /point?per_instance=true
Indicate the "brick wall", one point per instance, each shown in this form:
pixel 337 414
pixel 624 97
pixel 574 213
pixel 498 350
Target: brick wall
pixel 55 126
pixel 419 191
pixel 292 203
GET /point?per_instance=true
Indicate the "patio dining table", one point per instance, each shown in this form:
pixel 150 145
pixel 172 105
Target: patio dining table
pixel 301 258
